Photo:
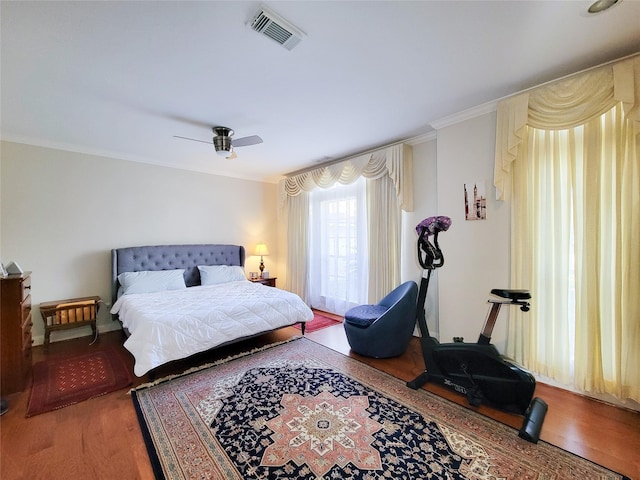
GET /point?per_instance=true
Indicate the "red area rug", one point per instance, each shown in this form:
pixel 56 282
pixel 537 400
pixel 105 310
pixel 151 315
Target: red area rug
pixel 60 382
pixel 318 323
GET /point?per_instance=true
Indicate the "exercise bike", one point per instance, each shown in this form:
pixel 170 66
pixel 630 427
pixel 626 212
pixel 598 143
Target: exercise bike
pixel 476 370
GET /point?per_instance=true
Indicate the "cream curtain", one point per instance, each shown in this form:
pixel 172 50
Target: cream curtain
pixel 389 174
pixel 565 104
pixel 298 245
pixel 568 158
pixel 383 234
pixel 395 161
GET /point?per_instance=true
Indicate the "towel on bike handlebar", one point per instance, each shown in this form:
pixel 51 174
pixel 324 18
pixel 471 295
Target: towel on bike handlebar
pixel 432 225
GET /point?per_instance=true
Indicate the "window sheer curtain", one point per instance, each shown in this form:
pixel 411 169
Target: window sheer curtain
pixel 338 264
pixel 389 189
pixel 568 160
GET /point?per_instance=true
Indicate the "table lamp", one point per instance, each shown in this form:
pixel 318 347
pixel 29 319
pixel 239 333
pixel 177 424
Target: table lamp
pixel 263 251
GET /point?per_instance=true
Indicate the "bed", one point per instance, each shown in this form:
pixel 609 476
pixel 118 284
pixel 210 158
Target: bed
pixel 178 300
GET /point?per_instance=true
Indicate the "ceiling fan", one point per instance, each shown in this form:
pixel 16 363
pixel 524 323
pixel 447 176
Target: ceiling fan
pixel 223 142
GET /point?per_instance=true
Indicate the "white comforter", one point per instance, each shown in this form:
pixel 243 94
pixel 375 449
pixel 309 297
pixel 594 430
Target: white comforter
pixel 174 324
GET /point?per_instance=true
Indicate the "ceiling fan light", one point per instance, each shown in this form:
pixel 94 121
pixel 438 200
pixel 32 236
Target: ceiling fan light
pixel 225 153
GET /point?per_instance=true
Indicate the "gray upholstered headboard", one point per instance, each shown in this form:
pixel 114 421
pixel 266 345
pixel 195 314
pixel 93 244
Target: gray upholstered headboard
pixel 170 257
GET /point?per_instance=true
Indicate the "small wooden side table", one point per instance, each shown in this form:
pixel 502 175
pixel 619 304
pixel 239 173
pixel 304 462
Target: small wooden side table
pixel 269 282
pixel 70 313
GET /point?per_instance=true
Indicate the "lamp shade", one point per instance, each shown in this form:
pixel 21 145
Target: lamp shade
pixel 262 250
pixel 224 153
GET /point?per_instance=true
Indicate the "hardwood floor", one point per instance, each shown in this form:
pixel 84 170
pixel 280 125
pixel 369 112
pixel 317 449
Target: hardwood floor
pixel 101 438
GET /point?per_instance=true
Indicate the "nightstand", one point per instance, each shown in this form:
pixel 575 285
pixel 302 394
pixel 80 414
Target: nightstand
pixel 269 282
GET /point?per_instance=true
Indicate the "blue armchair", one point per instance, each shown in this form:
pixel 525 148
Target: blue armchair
pixel 383 330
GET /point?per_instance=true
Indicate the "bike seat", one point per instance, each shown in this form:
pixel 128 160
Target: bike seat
pixel 513 295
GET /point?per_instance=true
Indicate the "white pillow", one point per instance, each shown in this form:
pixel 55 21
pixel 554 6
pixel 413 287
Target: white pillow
pixel 151 281
pixel 212 274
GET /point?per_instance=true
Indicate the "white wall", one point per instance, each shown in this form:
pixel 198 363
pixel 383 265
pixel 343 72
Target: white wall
pixel 425 201
pixel 61 214
pixel 476 252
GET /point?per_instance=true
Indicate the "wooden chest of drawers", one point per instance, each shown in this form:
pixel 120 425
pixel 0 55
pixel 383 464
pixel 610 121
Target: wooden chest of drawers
pixel 15 333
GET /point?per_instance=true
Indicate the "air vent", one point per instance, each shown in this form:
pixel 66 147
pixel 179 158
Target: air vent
pixel 276 28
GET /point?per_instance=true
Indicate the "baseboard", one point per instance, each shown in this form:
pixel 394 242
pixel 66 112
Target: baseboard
pixel 77 333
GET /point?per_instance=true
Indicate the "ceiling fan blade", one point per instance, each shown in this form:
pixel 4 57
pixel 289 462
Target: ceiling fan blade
pixel 193 139
pixel 232 156
pixel 246 141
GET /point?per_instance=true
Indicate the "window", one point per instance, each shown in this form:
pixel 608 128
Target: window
pixel 576 245
pixel 338 267
pixel 568 154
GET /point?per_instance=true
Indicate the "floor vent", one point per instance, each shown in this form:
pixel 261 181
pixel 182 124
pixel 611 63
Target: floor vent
pixel 276 28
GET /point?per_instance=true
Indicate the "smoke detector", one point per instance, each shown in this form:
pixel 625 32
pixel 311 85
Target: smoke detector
pixel 271 25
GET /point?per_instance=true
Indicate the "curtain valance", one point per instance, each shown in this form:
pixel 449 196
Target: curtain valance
pixel 565 104
pixel 395 161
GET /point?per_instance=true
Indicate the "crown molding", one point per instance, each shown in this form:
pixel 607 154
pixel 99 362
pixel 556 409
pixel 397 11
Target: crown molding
pixel 465 115
pixel 492 106
pixel 425 137
pixel 67 147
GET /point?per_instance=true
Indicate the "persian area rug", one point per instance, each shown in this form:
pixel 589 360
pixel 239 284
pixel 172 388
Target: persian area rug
pixel 318 323
pixel 60 382
pixel 301 411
